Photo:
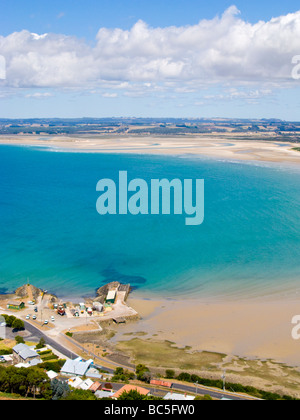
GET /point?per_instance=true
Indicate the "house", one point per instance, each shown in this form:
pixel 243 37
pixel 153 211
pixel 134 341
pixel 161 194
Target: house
pixel 15 305
pixel 96 386
pixel 93 373
pixel 51 374
pixel 75 382
pixel 85 385
pixel 178 397
pixel 111 296
pixel 31 363
pixel 24 354
pixel 128 388
pixel 104 394
pixel 76 367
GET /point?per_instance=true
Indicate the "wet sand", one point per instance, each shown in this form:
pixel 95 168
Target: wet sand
pixel 226 147
pixel 254 328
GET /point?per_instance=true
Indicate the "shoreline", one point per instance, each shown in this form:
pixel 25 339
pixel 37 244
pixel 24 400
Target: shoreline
pixel 227 147
pixel 254 329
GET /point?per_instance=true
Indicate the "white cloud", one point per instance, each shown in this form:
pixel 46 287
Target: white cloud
pixel 225 49
pixel 109 95
pixel 39 95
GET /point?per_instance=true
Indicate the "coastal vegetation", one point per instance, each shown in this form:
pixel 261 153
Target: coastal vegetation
pixel 233 387
pixel 27 382
pixel 250 375
pixel 13 322
pixel 147 126
pixel 170 356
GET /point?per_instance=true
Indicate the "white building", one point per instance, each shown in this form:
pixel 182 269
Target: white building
pixel 51 374
pixel 75 382
pixel 85 385
pixel 76 367
pixel 178 397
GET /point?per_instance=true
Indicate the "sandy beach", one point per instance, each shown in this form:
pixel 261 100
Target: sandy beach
pixel 229 146
pixel 255 329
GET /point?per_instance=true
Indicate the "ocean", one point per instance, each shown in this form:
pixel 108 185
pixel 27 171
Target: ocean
pixel 52 236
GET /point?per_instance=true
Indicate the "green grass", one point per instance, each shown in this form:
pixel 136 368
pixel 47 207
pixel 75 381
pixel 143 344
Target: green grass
pixel 165 354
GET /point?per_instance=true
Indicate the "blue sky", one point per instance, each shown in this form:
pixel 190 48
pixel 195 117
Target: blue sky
pixel 186 58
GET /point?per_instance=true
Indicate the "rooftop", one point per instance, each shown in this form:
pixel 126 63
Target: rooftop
pixel 76 367
pixel 128 388
pixel 182 397
pixel 24 351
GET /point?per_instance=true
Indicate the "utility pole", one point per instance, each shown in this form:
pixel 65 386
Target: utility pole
pixel 224 380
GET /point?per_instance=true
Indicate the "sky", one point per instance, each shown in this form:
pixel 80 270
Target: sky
pixel 137 58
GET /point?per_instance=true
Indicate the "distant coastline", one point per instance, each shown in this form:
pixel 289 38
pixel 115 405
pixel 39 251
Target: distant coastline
pixel 229 146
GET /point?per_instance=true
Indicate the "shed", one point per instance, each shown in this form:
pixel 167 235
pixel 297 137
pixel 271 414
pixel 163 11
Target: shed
pixel 15 305
pixel 98 306
pixel 111 296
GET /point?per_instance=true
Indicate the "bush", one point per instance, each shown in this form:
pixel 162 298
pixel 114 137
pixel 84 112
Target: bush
pixel 19 339
pixel 141 371
pixel 55 365
pixel 170 374
pixel 49 357
pixel 41 344
pixel 122 375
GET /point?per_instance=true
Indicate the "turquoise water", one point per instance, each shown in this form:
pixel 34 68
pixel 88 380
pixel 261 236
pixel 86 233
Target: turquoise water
pixel 51 234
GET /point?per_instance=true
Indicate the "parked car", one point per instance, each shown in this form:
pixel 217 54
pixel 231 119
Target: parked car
pixel 52 319
pixel 34 317
pixel 28 317
pixel 46 322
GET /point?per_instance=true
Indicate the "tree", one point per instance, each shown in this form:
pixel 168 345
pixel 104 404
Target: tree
pixel 60 389
pixel 140 372
pixel 80 394
pixel 131 395
pixel 19 339
pixel 135 395
pixel 41 343
pixel 170 374
pixel 18 324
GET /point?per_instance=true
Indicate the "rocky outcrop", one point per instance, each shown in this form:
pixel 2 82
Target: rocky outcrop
pixel 28 291
pixel 101 293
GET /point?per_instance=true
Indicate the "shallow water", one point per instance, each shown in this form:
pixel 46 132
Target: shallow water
pixel 52 236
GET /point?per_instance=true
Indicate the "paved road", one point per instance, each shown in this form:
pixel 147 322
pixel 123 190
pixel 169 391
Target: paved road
pixel 179 387
pixel 39 334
